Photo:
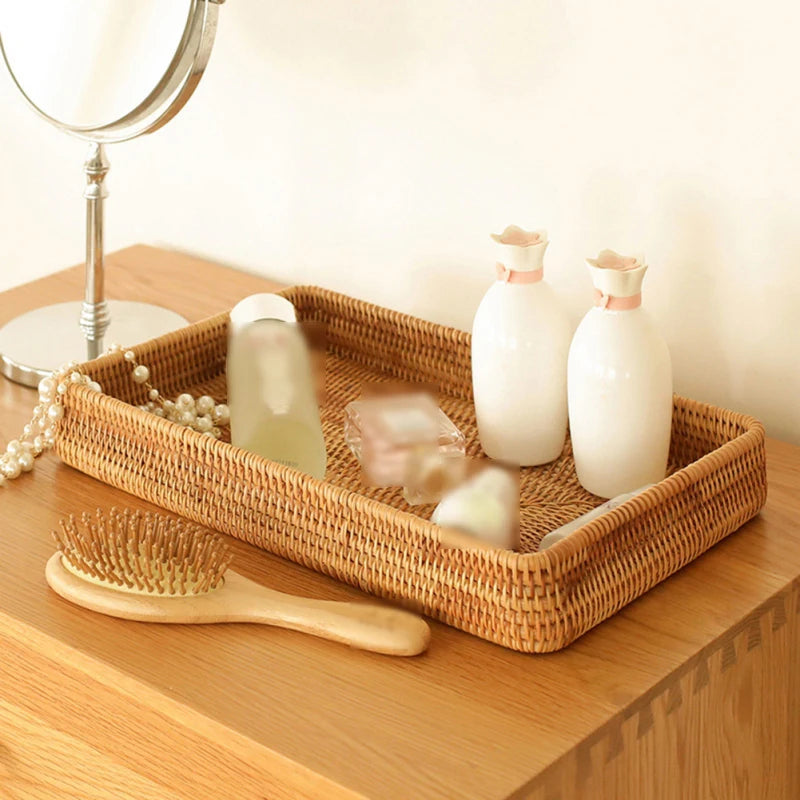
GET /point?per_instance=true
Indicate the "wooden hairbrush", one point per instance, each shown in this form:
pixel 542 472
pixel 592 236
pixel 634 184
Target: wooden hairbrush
pixel 155 568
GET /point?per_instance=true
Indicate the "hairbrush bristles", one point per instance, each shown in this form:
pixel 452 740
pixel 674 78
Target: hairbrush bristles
pixel 143 553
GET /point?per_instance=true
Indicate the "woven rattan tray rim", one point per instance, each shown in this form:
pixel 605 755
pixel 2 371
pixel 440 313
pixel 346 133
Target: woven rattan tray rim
pixel 591 533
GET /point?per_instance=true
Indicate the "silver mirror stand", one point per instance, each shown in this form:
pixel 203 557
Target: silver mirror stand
pixel 34 344
pixel 95 315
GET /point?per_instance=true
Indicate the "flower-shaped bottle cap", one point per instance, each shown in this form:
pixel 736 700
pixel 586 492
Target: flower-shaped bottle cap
pixel 521 250
pixel 614 275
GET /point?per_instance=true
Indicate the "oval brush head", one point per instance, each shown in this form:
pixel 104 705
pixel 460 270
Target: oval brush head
pixel 143 553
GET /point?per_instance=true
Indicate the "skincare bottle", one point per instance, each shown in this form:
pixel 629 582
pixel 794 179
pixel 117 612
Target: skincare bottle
pixel 485 506
pixel 391 436
pixel 520 340
pixel 565 530
pixel 620 384
pixel 271 394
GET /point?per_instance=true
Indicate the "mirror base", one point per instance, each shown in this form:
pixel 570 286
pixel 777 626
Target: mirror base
pixel 34 344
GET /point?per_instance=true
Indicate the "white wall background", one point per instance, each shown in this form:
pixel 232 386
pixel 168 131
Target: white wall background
pixel 371 146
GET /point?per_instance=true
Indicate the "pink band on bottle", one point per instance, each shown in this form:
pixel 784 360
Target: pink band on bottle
pixel 610 303
pixel 518 275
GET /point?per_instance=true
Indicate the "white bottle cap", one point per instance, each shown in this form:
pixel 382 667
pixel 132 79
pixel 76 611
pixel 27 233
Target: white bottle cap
pixel 613 276
pixel 522 251
pixel 261 306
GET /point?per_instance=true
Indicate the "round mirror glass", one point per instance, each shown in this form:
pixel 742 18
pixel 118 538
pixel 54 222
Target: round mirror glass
pixel 88 63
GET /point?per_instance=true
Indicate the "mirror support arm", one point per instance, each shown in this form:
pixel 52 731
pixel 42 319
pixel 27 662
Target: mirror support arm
pixel 95 315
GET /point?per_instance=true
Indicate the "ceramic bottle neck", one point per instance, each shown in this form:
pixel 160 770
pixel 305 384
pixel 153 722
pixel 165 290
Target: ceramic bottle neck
pixel 528 258
pixel 617 290
pixel 520 264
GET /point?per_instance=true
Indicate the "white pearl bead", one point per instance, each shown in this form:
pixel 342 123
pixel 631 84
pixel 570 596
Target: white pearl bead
pixel 222 414
pixel 62 387
pixel 12 469
pixel 76 377
pixel 49 437
pixel 47 388
pixel 159 412
pixel 25 461
pixel 38 445
pixel 187 418
pixel 185 402
pixel 153 394
pixel 204 423
pixel 43 423
pixel 141 374
pixel 38 410
pixel 130 355
pixel 95 386
pixel 27 431
pixel 216 433
pixel 55 413
pixel 205 404
pixel 14 447
pixel 27 447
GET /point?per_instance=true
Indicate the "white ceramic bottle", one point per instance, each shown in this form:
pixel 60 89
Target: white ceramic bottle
pixel 620 384
pixel 520 341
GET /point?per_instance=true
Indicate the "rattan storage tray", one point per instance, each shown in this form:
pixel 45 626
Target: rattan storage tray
pixel 527 601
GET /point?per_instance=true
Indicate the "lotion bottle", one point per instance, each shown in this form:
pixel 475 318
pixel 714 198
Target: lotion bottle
pixel 620 384
pixel 271 394
pixel 520 341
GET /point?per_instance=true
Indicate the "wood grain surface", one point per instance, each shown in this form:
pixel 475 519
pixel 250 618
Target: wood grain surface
pixel 690 692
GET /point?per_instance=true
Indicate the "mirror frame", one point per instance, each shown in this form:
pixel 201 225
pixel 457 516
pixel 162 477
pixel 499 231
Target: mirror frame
pixel 171 92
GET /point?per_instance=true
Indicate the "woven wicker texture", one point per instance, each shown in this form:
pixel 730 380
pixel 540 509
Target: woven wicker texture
pixel 368 537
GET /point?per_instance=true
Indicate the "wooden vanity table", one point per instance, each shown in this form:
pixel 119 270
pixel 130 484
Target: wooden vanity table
pixel 692 692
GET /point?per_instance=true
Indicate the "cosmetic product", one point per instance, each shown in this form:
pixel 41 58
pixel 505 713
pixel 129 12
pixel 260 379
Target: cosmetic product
pixel 273 407
pixel 431 473
pixel 620 384
pixel 520 340
pixel 485 506
pixel 155 568
pixel 390 434
pixel 565 530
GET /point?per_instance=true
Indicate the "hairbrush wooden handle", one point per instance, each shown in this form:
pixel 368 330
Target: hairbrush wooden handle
pixel 380 629
pixel 367 626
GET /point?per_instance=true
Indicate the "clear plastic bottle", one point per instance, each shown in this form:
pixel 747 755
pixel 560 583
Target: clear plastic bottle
pixel 271 393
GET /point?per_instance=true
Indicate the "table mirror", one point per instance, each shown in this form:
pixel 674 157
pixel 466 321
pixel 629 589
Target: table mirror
pixel 104 71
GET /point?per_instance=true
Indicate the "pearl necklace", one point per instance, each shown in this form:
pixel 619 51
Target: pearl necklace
pixel 203 414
